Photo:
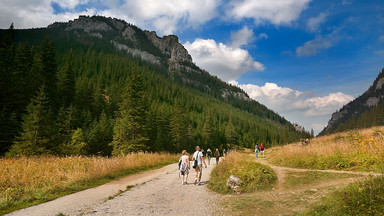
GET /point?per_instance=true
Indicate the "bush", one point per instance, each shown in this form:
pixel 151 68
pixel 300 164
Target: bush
pixel 254 176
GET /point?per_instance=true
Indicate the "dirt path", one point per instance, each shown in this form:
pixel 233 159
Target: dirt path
pixel 158 192
pixel 285 198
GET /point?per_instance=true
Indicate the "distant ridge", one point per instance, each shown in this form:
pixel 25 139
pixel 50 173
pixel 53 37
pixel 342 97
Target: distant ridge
pixel 365 111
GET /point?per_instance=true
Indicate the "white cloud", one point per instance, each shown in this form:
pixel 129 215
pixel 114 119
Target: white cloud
pixel 381 38
pixel 318 44
pixel 296 106
pixel 379 52
pixel 167 15
pixel 70 4
pixel 314 23
pixel 34 13
pixel 226 62
pixel 242 37
pixel 277 12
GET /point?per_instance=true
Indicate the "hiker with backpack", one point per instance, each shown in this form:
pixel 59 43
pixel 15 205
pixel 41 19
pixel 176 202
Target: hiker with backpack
pixel 184 166
pixel 198 161
pixel 217 156
pixel 209 154
pixel 257 150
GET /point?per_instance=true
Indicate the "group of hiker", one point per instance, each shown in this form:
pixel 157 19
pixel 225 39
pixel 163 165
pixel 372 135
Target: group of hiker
pixel 259 149
pixel 197 161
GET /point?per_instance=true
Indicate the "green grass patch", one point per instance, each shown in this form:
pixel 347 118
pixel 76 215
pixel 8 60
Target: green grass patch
pixel 254 176
pixel 299 179
pixel 359 161
pixel 23 197
pixel 361 198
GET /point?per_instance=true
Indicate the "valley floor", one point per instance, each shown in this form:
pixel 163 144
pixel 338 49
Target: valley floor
pixel 160 192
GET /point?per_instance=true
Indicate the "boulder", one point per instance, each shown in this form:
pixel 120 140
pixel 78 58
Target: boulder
pixel 234 182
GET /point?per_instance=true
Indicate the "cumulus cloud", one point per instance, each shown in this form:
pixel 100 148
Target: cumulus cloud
pixel 381 38
pixel 301 107
pixel 35 13
pixel 318 44
pixel 226 62
pixel 314 23
pixel 166 16
pixel 277 12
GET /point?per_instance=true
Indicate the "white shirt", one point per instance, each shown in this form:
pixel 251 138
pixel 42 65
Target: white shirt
pixel 198 155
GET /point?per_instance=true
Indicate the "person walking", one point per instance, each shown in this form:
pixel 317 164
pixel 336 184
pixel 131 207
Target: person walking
pixel 217 156
pixel 257 150
pixel 198 156
pixel 262 149
pixel 184 166
pixel 209 154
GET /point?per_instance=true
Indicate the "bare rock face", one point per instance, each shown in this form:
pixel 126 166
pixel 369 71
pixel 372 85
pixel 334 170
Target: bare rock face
pixel 169 46
pixel 87 24
pixel 234 182
pixel 129 34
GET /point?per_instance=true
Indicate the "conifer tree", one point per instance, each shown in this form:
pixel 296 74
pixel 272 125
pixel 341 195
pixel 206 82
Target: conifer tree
pixel 230 134
pixel 48 59
pixel 208 131
pixel 66 82
pixel 178 126
pixel 130 130
pixel 36 128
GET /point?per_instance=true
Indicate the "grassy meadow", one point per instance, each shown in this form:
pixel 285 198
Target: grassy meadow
pixel 28 181
pixel 361 150
pixel 254 176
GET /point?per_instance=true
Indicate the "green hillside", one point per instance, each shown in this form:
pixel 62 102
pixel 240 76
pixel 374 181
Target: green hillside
pixel 71 93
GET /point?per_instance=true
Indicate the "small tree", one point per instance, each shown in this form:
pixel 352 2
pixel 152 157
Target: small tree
pixel 130 130
pixel 36 127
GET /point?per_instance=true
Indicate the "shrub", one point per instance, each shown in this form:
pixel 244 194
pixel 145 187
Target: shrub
pixel 254 176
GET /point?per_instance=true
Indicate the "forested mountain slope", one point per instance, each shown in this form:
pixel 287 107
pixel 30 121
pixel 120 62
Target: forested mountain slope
pixel 99 85
pixel 365 111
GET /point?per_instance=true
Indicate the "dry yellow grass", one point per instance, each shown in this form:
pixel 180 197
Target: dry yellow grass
pixel 359 149
pixel 40 178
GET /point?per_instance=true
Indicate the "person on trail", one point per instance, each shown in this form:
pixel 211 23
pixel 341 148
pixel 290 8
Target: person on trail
pixel 198 156
pixel 223 152
pixel 209 154
pixel 257 150
pixel 184 166
pixel 217 156
pixel 262 149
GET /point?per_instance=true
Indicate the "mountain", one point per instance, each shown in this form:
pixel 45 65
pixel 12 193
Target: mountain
pixel 79 73
pixel 365 111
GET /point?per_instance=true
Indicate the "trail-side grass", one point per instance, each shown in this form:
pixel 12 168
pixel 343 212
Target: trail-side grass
pixel 254 176
pixel 354 150
pixel 29 181
pixel 300 179
pixel 361 198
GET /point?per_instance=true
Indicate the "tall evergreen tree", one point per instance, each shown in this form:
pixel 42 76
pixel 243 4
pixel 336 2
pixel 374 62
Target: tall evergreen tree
pixel 48 59
pixel 130 130
pixel 178 126
pixel 66 82
pixel 36 126
pixel 230 134
pixel 208 131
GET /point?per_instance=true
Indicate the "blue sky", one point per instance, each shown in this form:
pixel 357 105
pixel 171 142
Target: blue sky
pixel 304 59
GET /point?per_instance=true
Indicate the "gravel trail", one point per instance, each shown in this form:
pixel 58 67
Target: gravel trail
pixel 155 192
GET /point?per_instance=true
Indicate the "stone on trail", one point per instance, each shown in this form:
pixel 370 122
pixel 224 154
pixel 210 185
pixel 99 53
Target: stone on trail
pixel 233 182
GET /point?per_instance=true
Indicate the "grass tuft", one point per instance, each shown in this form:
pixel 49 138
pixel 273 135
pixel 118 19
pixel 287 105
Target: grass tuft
pixel 254 176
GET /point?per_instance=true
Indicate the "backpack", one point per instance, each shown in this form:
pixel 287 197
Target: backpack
pixel 183 168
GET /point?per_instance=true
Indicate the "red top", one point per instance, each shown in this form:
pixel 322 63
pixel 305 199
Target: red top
pixel 261 147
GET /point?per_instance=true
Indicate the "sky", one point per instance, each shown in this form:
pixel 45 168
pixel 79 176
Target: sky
pixel 304 59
